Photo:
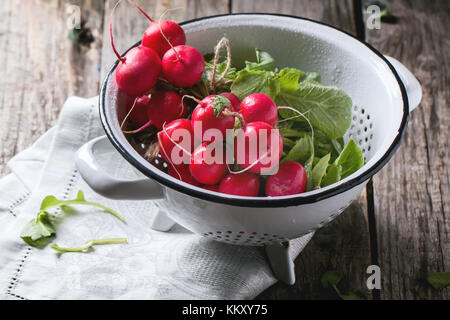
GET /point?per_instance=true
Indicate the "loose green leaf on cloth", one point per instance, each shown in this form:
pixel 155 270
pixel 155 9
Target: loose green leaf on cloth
pixel 89 244
pixel 40 230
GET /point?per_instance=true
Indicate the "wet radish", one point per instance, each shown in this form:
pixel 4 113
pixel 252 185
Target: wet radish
pixel 259 107
pixel 252 154
pixel 138 70
pixel 183 66
pixel 290 179
pixel 154 36
pixel 242 184
pixel 204 114
pixel 181 172
pixel 138 115
pixel 163 107
pixel 160 35
pixel 204 168
pixel 176 142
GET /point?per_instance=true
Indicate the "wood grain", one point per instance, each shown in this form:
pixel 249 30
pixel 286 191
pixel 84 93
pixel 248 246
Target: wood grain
pixel 42 66
pixel 344 244
pixel 411 192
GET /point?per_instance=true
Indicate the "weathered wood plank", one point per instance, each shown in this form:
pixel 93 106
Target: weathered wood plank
pixel 42 66
pixel 411 192
pixel 130 24
pixel 344 244
pixel 334 12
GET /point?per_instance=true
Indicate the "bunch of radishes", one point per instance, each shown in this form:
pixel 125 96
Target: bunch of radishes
pixel 164 56
pixel 258 113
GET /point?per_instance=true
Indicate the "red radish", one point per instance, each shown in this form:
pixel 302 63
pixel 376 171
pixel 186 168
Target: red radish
pixel 164 107
pixel 181 172
pixel 290 179
pixel 259 107
pixel 254 159
pixel 214 187
pixel 242 184
pixel 159 36
pixel 235 103
pixel 204 113
pixel 183 66
pixel 138 115
pixel 155 33
pixel 173 133
pixel 138 70
pixel 203 168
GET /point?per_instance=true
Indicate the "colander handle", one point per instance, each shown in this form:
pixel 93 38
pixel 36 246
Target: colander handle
pixel 412 85
pixel 108 186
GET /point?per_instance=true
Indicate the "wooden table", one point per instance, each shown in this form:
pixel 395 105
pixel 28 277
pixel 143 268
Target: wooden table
pixel 400 222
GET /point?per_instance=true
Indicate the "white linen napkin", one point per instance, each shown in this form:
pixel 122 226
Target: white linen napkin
pixel 153 265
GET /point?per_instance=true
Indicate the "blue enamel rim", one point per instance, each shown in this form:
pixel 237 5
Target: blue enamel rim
pixel 263 201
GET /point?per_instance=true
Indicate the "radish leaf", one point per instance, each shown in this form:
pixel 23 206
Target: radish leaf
pixel 89 244
pixel 351 159
pixel 39 231
pixel 219 104
pixel 439 280
pixel 264 61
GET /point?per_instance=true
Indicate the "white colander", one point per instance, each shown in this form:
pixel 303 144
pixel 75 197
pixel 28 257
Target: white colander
pixel 381 106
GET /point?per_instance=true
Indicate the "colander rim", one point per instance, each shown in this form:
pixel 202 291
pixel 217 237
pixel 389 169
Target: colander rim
pixel 272 202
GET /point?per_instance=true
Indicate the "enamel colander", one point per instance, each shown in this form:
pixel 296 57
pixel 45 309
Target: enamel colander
pixel 383 92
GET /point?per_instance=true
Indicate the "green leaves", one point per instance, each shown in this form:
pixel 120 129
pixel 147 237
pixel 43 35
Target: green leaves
pixel 351 159
pixel 302 151
pixel 219 104
pixel 439 280
pixel 319 171
pixel 39 231
pixel 333 175
pixel 331 279
pixel 89 244
pixel 264 61
pixel 248 82
pixel 328 108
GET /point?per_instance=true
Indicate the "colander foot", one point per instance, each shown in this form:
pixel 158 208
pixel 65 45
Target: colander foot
pixel 161 222
pixel 281 262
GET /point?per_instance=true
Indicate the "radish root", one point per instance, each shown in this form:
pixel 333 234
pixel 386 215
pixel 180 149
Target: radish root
pixel 128 114
pixel 122 59
pixel 228 112
pixel 142 11
pixel 152 151
pixel 162 33
pixel 173 141
pixel 299 115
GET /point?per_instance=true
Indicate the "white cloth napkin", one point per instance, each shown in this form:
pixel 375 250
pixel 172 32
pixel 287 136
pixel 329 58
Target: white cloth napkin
pixel 153 265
